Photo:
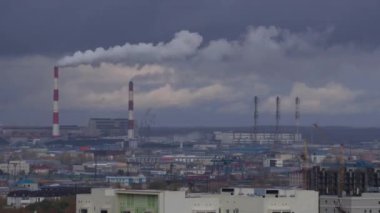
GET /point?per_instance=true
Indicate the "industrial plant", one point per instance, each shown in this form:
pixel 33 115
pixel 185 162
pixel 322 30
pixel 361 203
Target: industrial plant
pixel 114 160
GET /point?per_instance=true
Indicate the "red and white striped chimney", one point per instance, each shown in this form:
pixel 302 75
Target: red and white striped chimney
pixel 131 122
pixel 55 129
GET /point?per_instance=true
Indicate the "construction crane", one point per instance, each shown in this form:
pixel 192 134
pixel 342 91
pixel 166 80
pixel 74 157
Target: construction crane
pixel 305 165
pixel 340 158
pixel 341 172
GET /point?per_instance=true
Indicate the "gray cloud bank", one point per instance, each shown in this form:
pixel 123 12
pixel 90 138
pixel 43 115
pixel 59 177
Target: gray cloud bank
pixel 54 27
pixel 216 78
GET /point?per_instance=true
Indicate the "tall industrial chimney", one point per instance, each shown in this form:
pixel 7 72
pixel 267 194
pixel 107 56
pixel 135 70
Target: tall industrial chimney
pixel 55 129
pixel 297 117
pixel 131 122
pixel 255 117
pixel 278 118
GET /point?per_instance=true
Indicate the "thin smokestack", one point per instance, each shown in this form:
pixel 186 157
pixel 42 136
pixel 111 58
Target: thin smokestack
pixel 131 122
pixel 277 113
pixel 255 117
pixel 278 118
pixel 297 116
pixel 55 129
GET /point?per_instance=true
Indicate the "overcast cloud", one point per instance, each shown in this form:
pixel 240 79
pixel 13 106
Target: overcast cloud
pixel 201 68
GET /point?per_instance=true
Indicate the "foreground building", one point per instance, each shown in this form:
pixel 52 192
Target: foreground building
pixel 229 200
pixel 25 197
pixel 367 202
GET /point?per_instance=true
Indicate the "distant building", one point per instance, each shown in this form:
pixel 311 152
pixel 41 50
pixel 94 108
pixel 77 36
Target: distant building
pixel 272 162
pixel 15 168
pixel 4 191
pixel 41 170
pixel 229 200
pixel 107 127
pixel 30 133
pixel 126 180
pixel 261 138
pixel 26 184
pixel 107 167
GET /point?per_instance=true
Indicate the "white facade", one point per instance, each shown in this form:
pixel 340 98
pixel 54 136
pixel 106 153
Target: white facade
pixel 230 200
pixel 110 201
pixel 99 199
pixel 236 200
pixel 368 203
pixel 15 167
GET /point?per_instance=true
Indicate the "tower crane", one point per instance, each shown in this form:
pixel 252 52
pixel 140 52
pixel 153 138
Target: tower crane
pixel 340 160
pixel 305 165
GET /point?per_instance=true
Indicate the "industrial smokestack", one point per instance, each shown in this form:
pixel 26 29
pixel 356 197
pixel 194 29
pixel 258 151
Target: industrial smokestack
pixel 297 117
pixel 255 117
pixel 55 128
pixel 131 122
pixel 277 118
pixel 277 112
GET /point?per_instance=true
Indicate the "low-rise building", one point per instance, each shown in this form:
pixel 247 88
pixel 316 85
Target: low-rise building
pixel 4 190
pixel 126 180
pixel 229 200
pixel 272 162
pixel 26 184
pixel 106 167
pixel 15 168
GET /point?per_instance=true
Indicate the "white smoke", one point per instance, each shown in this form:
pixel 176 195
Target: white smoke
pixel 184 44
pixel 214 78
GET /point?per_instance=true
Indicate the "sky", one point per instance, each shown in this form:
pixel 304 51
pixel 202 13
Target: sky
pixel 193 62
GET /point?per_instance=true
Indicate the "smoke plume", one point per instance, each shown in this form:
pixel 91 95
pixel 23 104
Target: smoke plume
pixel 184 44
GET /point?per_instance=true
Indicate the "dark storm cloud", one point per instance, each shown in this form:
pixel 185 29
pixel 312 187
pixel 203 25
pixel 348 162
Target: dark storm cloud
pixel 57 27
pixel 325 51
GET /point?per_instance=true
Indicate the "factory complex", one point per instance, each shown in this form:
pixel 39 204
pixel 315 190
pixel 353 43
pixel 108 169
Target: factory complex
pixel 128 165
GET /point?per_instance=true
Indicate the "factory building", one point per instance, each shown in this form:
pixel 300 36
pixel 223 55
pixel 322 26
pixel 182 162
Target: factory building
pixel 107 127
pixel 229 138
pixel 229 200
pixel 29 133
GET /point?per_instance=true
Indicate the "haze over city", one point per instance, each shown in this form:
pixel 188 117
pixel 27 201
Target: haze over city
pixel 194 63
